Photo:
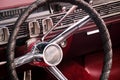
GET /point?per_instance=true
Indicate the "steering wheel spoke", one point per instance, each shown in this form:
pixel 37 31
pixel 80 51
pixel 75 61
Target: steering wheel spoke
pixel 70 30
pixel 27 58
pixel 56 72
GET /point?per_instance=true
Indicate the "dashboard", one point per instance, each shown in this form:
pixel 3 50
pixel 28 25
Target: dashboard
pixel 44 18
pixel 82 47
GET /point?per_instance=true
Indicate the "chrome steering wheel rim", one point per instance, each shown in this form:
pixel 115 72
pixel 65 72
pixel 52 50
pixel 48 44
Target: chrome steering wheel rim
pixel 80 3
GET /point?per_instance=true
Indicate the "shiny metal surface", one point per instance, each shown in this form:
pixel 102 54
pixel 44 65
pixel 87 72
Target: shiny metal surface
pixel 57 73
pixel 27 75
pixel 70 11
pixel 47 24
pixel 52 55
pixel 96 2
pixel 34 28
pixel 4 35
pixel 70 30
pixel 25 59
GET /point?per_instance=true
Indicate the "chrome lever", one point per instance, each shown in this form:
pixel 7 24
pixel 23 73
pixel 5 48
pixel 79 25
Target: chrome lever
pixel 71 10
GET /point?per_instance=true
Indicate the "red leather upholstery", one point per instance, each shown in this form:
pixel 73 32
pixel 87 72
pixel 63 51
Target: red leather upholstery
pixel 94 62
pixel 74 71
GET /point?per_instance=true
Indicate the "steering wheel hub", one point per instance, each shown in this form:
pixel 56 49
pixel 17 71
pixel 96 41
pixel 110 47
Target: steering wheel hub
pixel 52 54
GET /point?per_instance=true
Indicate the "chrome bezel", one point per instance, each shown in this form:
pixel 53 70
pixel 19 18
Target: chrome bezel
pixel 34 24
pixel 60 56
pixel 44 23
pixel 6 35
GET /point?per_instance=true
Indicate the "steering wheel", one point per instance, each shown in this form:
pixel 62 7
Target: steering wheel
pixel 45 47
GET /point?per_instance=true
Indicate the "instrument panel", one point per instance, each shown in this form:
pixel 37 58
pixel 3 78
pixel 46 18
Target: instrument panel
pixel 44 18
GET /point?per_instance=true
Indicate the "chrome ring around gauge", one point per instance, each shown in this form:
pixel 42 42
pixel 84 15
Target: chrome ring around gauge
pixel 52 54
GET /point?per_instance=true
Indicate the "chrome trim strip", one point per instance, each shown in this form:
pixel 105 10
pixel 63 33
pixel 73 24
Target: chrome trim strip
pixel 105 3
pixel 3 62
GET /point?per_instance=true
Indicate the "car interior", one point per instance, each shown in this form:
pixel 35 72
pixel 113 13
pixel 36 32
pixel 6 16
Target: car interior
pixel 59 39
